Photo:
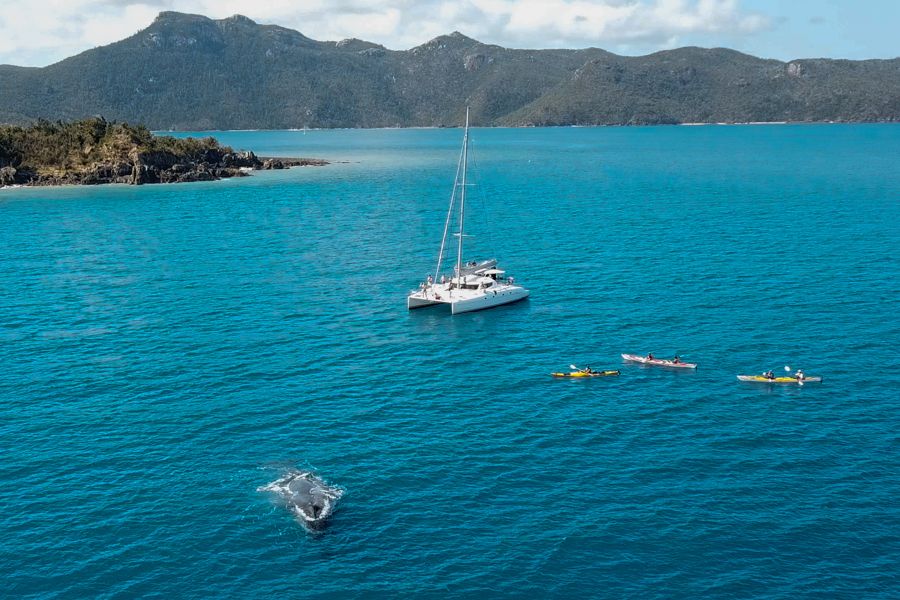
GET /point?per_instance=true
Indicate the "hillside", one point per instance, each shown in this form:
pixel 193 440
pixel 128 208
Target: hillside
pixel 189 72
pixel 95 151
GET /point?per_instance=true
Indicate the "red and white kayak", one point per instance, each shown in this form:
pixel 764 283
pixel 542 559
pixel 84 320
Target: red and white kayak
pixel 660 362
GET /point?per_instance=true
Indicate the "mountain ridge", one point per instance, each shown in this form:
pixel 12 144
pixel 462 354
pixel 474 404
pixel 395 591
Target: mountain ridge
pixel 191 72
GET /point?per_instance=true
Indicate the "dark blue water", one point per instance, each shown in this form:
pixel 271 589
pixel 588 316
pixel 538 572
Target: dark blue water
pixel 166 350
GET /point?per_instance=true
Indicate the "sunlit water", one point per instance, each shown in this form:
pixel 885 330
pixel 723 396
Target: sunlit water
pixel 168 350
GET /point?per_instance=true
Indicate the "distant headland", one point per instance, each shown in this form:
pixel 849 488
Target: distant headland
pixel 192 73
pixel 96 151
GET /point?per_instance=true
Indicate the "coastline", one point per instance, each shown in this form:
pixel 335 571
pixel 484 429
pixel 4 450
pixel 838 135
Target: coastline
pixel 596 125
pixel 95 152
pixel 141 168
pixel 229 165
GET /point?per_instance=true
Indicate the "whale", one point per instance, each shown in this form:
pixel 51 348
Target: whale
pixel 307 496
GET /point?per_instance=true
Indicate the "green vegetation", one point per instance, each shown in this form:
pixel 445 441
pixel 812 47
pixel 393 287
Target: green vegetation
pixel 81 145
pixel 94 151
pixel 189 72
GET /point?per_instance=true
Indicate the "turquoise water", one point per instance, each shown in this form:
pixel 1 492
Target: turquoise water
pixel 166 350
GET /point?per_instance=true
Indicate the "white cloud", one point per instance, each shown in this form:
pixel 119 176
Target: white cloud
pixel 40 32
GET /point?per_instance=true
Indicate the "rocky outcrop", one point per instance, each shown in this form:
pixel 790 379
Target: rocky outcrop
pixel 157 167
pixel 473 62
pixel 95 151
pixel 272 163
pixel 7 176
pixel 287 163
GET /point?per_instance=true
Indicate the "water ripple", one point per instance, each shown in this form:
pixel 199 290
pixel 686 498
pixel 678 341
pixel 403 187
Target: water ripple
pixel 164 348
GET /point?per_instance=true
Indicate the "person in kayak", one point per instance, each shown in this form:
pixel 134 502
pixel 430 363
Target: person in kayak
pixel 800 375
pixel 649 356
pixel 769 374
pixel 587 369
pixel 675 360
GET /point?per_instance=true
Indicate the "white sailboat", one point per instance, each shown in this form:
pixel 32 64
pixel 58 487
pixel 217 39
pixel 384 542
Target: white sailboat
pixel 473 284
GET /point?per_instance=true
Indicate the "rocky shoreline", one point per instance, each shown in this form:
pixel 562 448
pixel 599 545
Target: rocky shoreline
pixel 95 151
pixel 155 167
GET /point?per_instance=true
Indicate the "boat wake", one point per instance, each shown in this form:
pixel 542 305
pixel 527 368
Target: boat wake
pixel 306 495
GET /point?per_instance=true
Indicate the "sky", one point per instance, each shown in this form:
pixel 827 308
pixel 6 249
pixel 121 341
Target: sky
pixel 42 32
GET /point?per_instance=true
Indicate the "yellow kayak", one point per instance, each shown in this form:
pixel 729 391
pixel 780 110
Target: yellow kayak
pixel 585 374
pixel 762 379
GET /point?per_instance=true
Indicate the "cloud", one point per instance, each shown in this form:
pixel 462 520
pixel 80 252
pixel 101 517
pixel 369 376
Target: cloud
pixel 43 31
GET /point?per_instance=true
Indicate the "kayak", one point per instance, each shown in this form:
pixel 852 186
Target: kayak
pixel 762 379
pixel 583 374
pixel 658 361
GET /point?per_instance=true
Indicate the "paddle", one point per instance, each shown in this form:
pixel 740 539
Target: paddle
pixel 788 369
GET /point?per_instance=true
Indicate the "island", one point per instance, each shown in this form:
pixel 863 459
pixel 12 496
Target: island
pixel 96 151
pixel 192 73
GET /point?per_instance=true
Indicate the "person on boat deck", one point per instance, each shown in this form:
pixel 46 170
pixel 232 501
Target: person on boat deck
pixel 443 279
pixel 510 279
pixel 430 281
pixel 800 375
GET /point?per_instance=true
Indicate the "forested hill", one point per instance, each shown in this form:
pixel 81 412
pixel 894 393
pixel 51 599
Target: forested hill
pixel 189 72
pixel 95 151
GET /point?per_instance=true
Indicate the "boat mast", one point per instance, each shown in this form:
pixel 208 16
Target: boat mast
pixel 437 271
pixel 462 199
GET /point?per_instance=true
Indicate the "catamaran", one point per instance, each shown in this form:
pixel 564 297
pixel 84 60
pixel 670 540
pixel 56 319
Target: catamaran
pixel 473 284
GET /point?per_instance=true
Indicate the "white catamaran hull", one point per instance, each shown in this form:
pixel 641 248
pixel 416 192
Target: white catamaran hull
pixel 418 300
pixel 461 301
pixel 489 299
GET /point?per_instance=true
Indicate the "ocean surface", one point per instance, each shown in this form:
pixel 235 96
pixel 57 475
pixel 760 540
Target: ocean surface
pixel 167 350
